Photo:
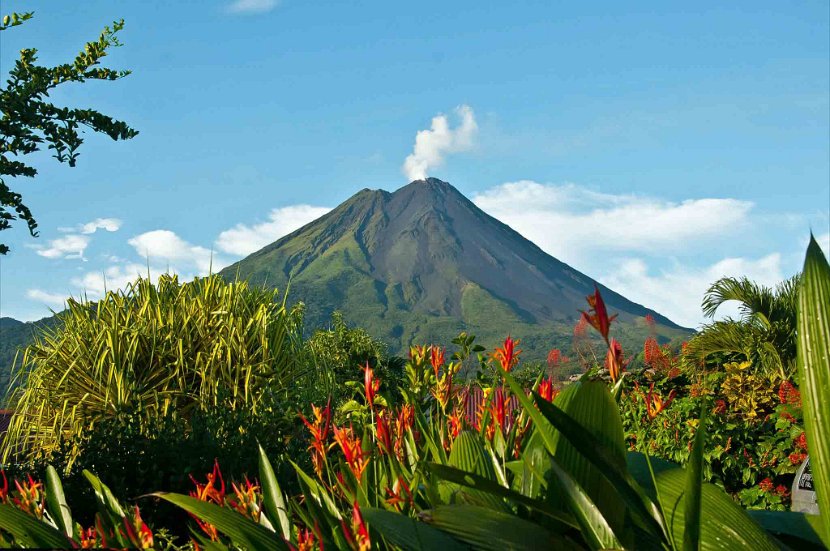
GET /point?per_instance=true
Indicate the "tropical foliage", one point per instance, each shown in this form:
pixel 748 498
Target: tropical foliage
pixel 155 350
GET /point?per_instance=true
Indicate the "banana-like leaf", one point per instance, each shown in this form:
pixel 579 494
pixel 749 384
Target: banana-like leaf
pixel 723 523
pixel 408 533
pixel 694 485
pixel 485 528
pixel 558 520
pixel 110 510
pixel 797 530
pixel 319 494
pixel 29 531
pixel 594 526
pixel 550 420
pixel 813 359
pixel 272 496
pixel 468 455
pixel 55 499
pixel 243 531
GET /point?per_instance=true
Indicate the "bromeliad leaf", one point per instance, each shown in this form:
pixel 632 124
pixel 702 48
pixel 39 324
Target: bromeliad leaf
pixel 30 532
pixel 272 495
pixel 55 499
pixel 408 533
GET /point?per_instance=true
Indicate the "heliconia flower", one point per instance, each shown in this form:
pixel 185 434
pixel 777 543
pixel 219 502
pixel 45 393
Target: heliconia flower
pixel 89 538
pixel 615 362
pixel 436 358
pixel 30 497
pixel 137 532
pixel 507 355
pixel 599 319
pixel 319 429
pixel 357 535
pixel 352 450
pixel 4 491
pixel 210 493
pixel 384 438
pixel 498 410
pixel 403 422
pixel 655 403
pixel 246 500
pixel 454 423
pixel 443 388
pixel 546 389
pixel 370 384
pixel 399 494
pixel 308 540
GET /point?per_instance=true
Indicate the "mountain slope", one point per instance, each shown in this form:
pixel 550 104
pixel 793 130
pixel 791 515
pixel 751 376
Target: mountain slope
pixel 423 263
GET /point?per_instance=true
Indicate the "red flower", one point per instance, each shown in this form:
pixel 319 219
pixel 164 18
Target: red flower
pixel 650 321
pixel 581 327
pixel 352 450
pixel 720 407
pixel 796 458
pixel 357 535
pixel 210 493
pixel 599 319
pixel 546 389
pixel 782 491
pixel 801 441
pixel 319 429
pixel 306 539
pixel 615 362
pixel 555 357
pixel 766 485
pixel 454 423
pixel 788 394
pixel 383 436
pixel 436 358
pixel 403 422
pixel 507 356
pixel 370 384
pixel 399 494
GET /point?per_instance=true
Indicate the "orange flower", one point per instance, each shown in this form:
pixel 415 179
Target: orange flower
pixel 137 531
pixel 599 319
pixel 801 441
pixel 555 357
pixel 319 430
pixel 30 497
pixel 399 494
pixel 436 358
pixel 655 403
pixel 507 356
pixel 454 423
pixel 614 360
pixel 246 500
pixel 357 535
pixel 352 450
pixel 209 493
pixel 306 539
pixel 498 410
pixel 371 385
pixel 546 389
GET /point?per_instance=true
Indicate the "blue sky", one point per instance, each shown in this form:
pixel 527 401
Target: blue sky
pixel 655 146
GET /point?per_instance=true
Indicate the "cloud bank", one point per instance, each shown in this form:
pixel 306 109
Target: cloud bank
pixel 433 145
pixel 243 240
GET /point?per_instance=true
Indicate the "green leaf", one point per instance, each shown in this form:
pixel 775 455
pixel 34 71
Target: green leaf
pixel 723 523
pixel 242 530
pixel 813 360
pixel 470 480
pixel 594 527
pixel 408 533
pixel 29 531
pixel 55 499
pixel 468 455
pixel 272 496
pixel 488 529
pixel 694 484
pixel 798 530
pixel 551 422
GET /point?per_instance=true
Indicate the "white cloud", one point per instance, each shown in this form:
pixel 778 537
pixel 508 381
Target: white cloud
pixel 160 246
pixel 53 301
pixel 252 6
pixel 109 224
pixel 243 240
pixel 431 146
pixel 677 292
pixel 572 223
pixel 824 243
pixel 69 246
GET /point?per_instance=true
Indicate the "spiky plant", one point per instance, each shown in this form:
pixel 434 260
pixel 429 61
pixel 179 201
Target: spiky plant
pixel 156 349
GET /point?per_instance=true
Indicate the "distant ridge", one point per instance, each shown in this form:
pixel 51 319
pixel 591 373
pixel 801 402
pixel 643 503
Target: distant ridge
pixel 423 263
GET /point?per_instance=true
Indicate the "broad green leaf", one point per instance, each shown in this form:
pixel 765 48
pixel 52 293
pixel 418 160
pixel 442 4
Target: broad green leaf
pixel 242 530
pixel 485 528
pixel 319 494
pixel 272 496
pixel 594 527
pixel 29 531
pixel 408 533
pixel 694 484
pixel 468 455
pixel 546 416
pixel 563 520
pixel 111 512
pixel 813 359
pixel 55 499
pixel 798 530
pixel 723 523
